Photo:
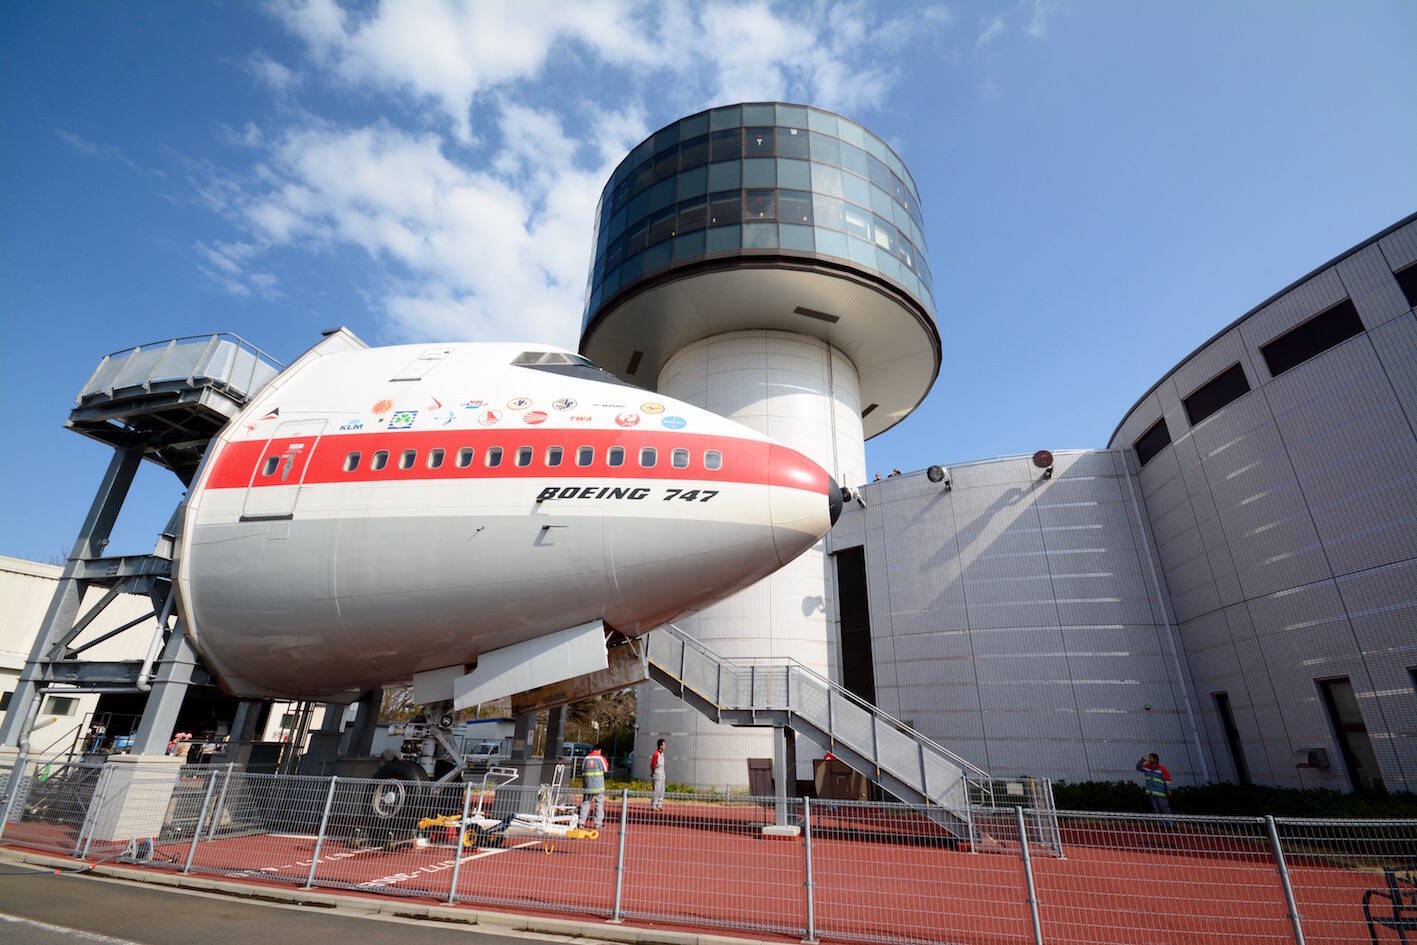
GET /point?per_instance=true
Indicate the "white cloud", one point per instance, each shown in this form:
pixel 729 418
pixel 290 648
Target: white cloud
pixel 993 29
pixel 76 142
pixel 1039 13
pixel 272 74
pixel 486 232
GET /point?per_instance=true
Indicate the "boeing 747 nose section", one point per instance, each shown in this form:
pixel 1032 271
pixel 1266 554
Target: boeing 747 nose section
pixel 375 515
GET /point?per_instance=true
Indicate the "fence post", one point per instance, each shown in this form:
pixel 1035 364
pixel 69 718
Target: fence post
pixel 457 843
pixel 201 822
pixel 1028 876
pixel 811 894
pixel 220 803
pixel 17 777
pixel 106 777
pixel 620 862
pixel 1283 871
pixel 320 840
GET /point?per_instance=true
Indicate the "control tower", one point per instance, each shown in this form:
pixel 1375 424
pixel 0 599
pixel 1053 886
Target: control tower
pixel 765 261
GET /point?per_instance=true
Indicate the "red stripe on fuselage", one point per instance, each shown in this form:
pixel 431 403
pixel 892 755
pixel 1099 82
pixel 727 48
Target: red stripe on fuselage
pixel 744 460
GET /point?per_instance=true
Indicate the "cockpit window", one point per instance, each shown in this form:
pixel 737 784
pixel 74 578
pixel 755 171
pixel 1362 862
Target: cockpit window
pixel 536 358
pixel 567 365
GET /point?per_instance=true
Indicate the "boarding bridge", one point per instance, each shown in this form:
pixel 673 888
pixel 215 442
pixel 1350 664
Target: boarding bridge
pixel 786 695
pixel 160 402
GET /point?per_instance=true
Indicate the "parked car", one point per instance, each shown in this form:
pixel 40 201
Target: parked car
pixel 575 750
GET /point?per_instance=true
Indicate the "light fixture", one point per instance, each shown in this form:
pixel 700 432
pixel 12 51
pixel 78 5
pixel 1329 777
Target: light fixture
pixel 1044 461
pixel 939 474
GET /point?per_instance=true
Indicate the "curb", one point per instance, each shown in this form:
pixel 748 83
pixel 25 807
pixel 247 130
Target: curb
pixel 392 907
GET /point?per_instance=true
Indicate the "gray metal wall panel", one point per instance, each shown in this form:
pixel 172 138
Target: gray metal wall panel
pixel 1400 247
pixel 1298 305
pixel 1021 615
pixel 1370 284
pixel 1292 512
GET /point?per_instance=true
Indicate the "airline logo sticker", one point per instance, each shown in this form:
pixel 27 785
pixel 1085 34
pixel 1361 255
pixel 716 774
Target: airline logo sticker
pixel 580 418
pixel 534 417
pixel 473 404
pixel 382 407
pixel 652 407
pixel 519 403
pixel 490 418
pixel 565 403
pixel 436 404
pixel 628 419
pixel 672 422
pixel 450 413
pixel 350 425
pixel 403 419
pixel 273 415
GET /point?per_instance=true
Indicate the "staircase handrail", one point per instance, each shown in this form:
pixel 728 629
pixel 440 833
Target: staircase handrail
pixel 790 664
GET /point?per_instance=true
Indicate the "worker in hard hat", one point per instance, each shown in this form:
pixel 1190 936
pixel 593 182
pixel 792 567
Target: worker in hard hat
pixel 593 771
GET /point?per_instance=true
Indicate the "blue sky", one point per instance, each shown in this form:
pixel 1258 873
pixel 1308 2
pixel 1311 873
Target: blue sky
pixel 1104 185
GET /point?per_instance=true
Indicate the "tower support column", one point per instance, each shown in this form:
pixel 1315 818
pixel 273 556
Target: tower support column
pixel 805 394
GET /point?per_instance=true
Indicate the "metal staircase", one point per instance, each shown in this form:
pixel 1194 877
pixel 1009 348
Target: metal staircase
pixel 786 694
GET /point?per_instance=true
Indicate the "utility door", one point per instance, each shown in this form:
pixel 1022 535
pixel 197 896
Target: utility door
pixel 280 471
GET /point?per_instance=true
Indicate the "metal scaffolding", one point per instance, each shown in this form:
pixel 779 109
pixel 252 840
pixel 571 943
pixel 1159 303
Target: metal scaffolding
pixel 163 402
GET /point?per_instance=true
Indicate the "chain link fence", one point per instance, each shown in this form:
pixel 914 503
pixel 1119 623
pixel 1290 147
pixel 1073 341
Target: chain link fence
pixel 1013 872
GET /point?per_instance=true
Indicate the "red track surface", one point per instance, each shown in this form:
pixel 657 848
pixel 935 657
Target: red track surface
pixel 700 866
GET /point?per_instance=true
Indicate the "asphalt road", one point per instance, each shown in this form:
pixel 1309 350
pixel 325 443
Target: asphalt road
pixel 38 907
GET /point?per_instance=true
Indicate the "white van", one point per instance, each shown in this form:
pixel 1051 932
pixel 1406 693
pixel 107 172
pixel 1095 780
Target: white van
pixel 486 753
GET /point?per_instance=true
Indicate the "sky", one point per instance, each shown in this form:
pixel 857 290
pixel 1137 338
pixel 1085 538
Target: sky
pixel 1104 185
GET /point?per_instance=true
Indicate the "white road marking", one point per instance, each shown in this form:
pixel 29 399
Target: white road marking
pixel 78 934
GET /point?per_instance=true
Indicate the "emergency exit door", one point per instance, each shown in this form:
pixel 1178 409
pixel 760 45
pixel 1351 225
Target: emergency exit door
pixel 280 471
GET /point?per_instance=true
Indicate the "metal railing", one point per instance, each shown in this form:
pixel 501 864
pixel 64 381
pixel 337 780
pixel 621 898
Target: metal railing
pixel 853 871
pixel 220 359
pixel 757 687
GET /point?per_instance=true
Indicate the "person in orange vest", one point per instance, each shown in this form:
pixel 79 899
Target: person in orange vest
pixel 593 771
pixel 656 775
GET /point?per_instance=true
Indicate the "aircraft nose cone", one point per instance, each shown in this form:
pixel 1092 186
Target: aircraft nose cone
pixel 834 499
pixel 799 516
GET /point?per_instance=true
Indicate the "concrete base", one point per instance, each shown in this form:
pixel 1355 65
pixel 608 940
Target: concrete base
pixel 779 830
pixel 137 796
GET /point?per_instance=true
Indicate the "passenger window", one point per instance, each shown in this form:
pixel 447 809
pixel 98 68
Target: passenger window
pixel 269 469
pixel 523 456
pixel 493 457
pixel 379 460
pixel 585 455
pixel 553 456
pixel 713 459
pixel 465 457
pixel 406 459
pixel 679 459
pixel 435 459
pixel 616 456
pixel 648 456
pixel 351 462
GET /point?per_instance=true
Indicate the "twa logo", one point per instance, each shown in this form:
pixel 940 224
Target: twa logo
pixel 628 420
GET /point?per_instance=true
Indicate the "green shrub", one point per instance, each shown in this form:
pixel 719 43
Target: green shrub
pixel 1235 800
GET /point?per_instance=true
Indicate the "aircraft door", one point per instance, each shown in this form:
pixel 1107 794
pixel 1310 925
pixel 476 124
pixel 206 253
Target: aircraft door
pixel 276 480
